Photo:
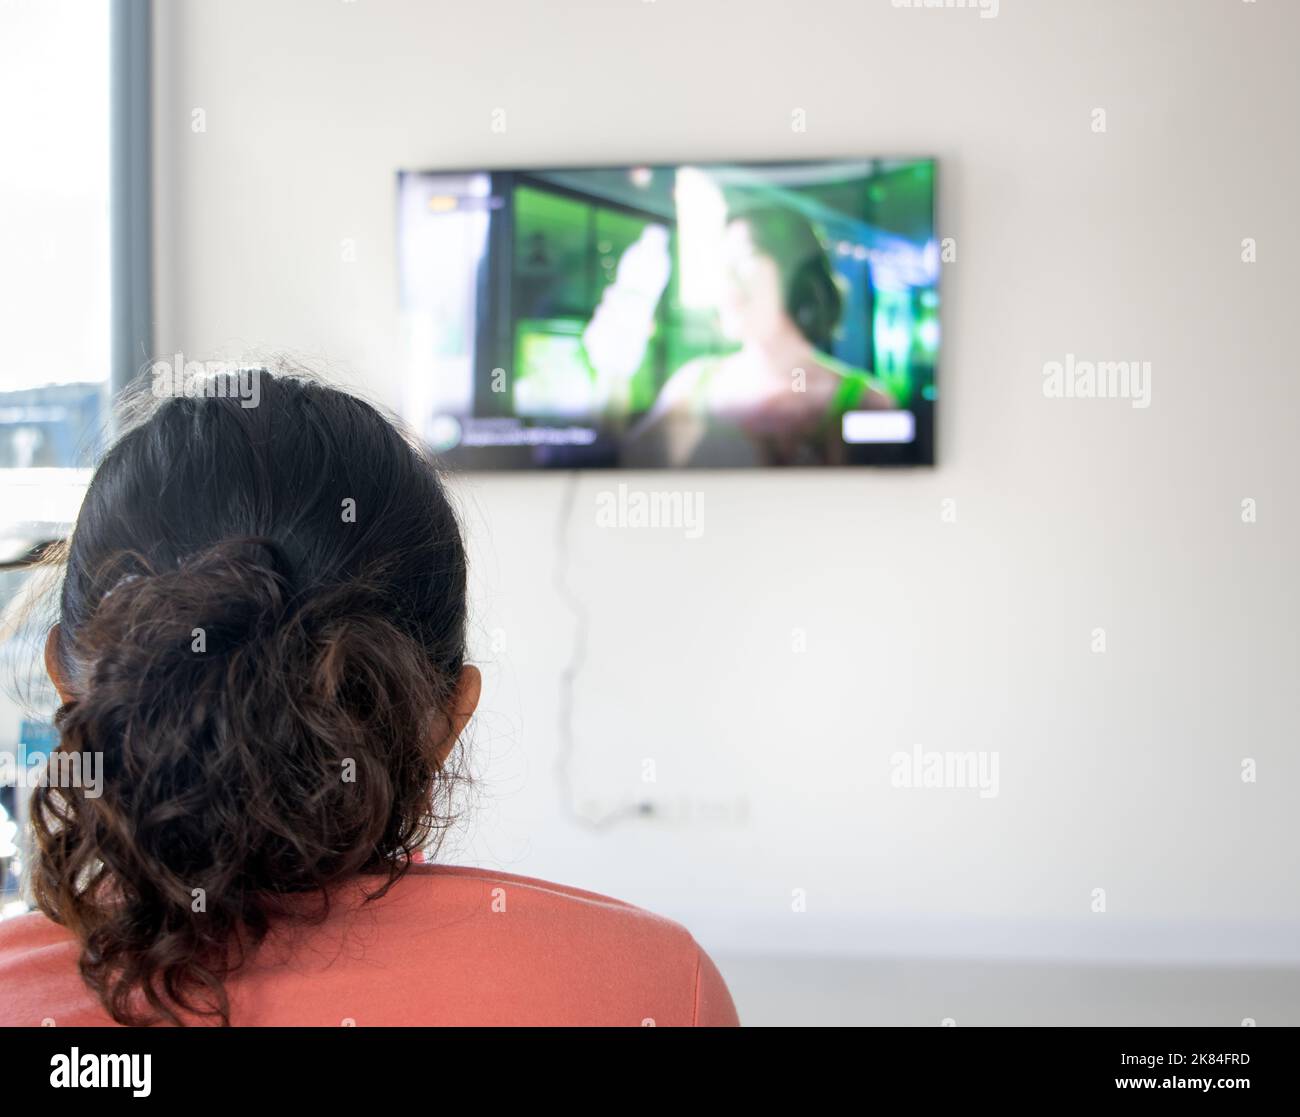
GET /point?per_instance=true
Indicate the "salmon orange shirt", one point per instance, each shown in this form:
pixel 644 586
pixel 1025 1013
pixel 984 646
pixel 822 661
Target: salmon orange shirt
pixel 446 946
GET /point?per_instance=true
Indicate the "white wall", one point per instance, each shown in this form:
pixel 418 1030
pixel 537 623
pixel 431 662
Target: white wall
pixel 1118 770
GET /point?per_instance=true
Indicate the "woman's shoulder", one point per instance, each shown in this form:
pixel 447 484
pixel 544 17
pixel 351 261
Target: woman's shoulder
pixel 553 953
pixel 603 957
pixel 433 883
pixel 38 973
pixel 29 933
pixel 853 386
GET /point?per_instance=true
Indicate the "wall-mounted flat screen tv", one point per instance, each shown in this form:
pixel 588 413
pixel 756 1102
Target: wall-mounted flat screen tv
pixel 692 316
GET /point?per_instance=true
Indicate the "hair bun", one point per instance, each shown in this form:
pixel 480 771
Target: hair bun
pixel 150 621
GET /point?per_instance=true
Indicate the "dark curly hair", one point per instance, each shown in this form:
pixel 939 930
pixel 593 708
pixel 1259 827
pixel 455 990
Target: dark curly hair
pixel 812 295
pixel 262 623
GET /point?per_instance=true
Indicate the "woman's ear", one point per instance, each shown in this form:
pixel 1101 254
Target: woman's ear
pixel 463 703
pixel 52 667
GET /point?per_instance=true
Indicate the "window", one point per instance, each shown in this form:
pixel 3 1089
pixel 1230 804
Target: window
pixel 54 225
pixel 55 318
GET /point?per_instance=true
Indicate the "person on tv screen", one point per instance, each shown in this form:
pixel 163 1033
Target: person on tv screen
pixel 778 398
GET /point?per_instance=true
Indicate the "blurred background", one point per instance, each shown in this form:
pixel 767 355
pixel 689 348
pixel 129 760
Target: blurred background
pixel 1102 596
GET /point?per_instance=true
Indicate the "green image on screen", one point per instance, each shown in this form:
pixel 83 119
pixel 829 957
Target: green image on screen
pixel 735 315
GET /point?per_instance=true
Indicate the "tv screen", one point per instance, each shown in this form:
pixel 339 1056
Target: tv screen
pixel 695 316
